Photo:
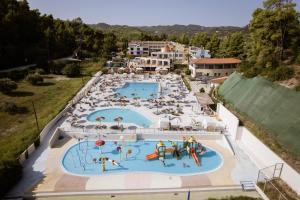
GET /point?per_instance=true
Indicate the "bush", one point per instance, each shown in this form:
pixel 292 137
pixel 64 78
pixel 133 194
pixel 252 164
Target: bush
pixel 71 70
pixel 177 71
pixel 105 70
pixel 188 72
pixel 56 67
pixel 40 71
pixel 6 85
pixel 252 72
pixel 281 73
pixel 12 108
pixel 17 75
pixel 9 107
pixel 34 79
pixel 202 90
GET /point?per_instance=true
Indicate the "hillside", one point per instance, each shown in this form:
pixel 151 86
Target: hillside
pixel 175 29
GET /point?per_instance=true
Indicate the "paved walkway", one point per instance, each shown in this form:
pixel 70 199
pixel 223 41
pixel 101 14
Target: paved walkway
pixel 199 195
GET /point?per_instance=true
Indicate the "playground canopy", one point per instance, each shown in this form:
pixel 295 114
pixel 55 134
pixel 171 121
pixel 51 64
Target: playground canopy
pixel 269 105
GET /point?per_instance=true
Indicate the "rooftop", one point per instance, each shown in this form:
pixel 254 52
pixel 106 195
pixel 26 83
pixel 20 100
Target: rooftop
pixel 216 61
pixel 219 80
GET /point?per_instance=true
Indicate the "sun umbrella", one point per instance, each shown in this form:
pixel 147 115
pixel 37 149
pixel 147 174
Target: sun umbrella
pixel 100 143
pixel 118 119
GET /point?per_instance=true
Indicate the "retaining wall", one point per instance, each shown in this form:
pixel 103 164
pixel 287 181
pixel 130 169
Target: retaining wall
pixel 258 152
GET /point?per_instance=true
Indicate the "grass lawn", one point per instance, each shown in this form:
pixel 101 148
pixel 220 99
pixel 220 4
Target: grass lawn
pixel 18 131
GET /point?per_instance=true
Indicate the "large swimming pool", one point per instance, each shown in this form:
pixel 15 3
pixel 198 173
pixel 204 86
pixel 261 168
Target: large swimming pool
pixel 129 116
pixel 141 90
pixel 83 159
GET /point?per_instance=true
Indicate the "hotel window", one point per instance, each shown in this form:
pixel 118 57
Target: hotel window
pixel 131 49
pixel 200 66
pixel 137 49
pixel 227 66
pixel 137 52
pixel 153 62
pixel 218 66
pixel 215 74
pixel 210 66
pixel 165 63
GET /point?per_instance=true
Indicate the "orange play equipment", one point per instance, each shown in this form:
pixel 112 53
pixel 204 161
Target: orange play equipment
pixel 151 156
pixel 196 159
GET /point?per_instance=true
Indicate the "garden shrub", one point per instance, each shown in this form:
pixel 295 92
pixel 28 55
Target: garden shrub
pixel 177 71
pixel 188 72
pixel 34 79
pixel 105 70
pixel 7 85
pixel 12 108
pixel 71 70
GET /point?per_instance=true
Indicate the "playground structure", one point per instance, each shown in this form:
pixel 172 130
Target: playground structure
pixel 190 146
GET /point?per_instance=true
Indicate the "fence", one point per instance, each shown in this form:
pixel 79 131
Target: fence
pixel 265 178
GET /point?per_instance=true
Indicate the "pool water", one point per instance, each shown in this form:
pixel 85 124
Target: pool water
pixel 129 116
pixel 142 90
pixel 79 159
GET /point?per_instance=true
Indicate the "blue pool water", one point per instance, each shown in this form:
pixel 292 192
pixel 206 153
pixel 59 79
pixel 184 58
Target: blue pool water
pixel 141 90
pixel 79 159
pixel 129 116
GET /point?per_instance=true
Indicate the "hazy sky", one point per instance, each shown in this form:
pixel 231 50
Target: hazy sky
pixel 153 12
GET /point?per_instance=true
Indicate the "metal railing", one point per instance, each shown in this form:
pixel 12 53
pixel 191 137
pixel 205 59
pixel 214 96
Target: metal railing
pixel 138 131
pixel 265 178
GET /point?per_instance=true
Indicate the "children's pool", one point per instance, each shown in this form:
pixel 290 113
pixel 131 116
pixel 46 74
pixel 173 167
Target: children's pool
pixel 139 89
pixel 83 159
pixel 129 116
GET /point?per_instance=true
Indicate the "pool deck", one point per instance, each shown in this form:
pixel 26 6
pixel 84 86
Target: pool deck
pixel 43 172
pixel 57 180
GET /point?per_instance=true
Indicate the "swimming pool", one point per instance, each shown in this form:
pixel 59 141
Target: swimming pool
pixel 142 90
pixel 80 159
pixel 129 116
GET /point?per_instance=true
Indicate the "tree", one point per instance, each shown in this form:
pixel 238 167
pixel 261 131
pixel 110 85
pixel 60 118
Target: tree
pixel 7 86
pixel 109 45
pixel 184 39
pixel 213 45
pixel 232 46
pixel 274 34
pixel 200 39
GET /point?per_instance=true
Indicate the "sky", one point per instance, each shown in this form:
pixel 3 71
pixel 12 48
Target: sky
pixel 153 12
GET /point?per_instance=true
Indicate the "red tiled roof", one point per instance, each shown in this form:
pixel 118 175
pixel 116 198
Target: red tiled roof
pixel 219 80
pixel 216 61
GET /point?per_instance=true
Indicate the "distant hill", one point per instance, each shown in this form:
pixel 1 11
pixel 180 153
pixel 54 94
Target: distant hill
pixel 175 29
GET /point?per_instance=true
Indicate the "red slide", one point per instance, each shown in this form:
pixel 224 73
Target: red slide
pixel 193 153
pixel 151 156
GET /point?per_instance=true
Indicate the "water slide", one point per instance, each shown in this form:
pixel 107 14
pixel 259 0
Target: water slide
pixel 151 156
pixel 196 159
